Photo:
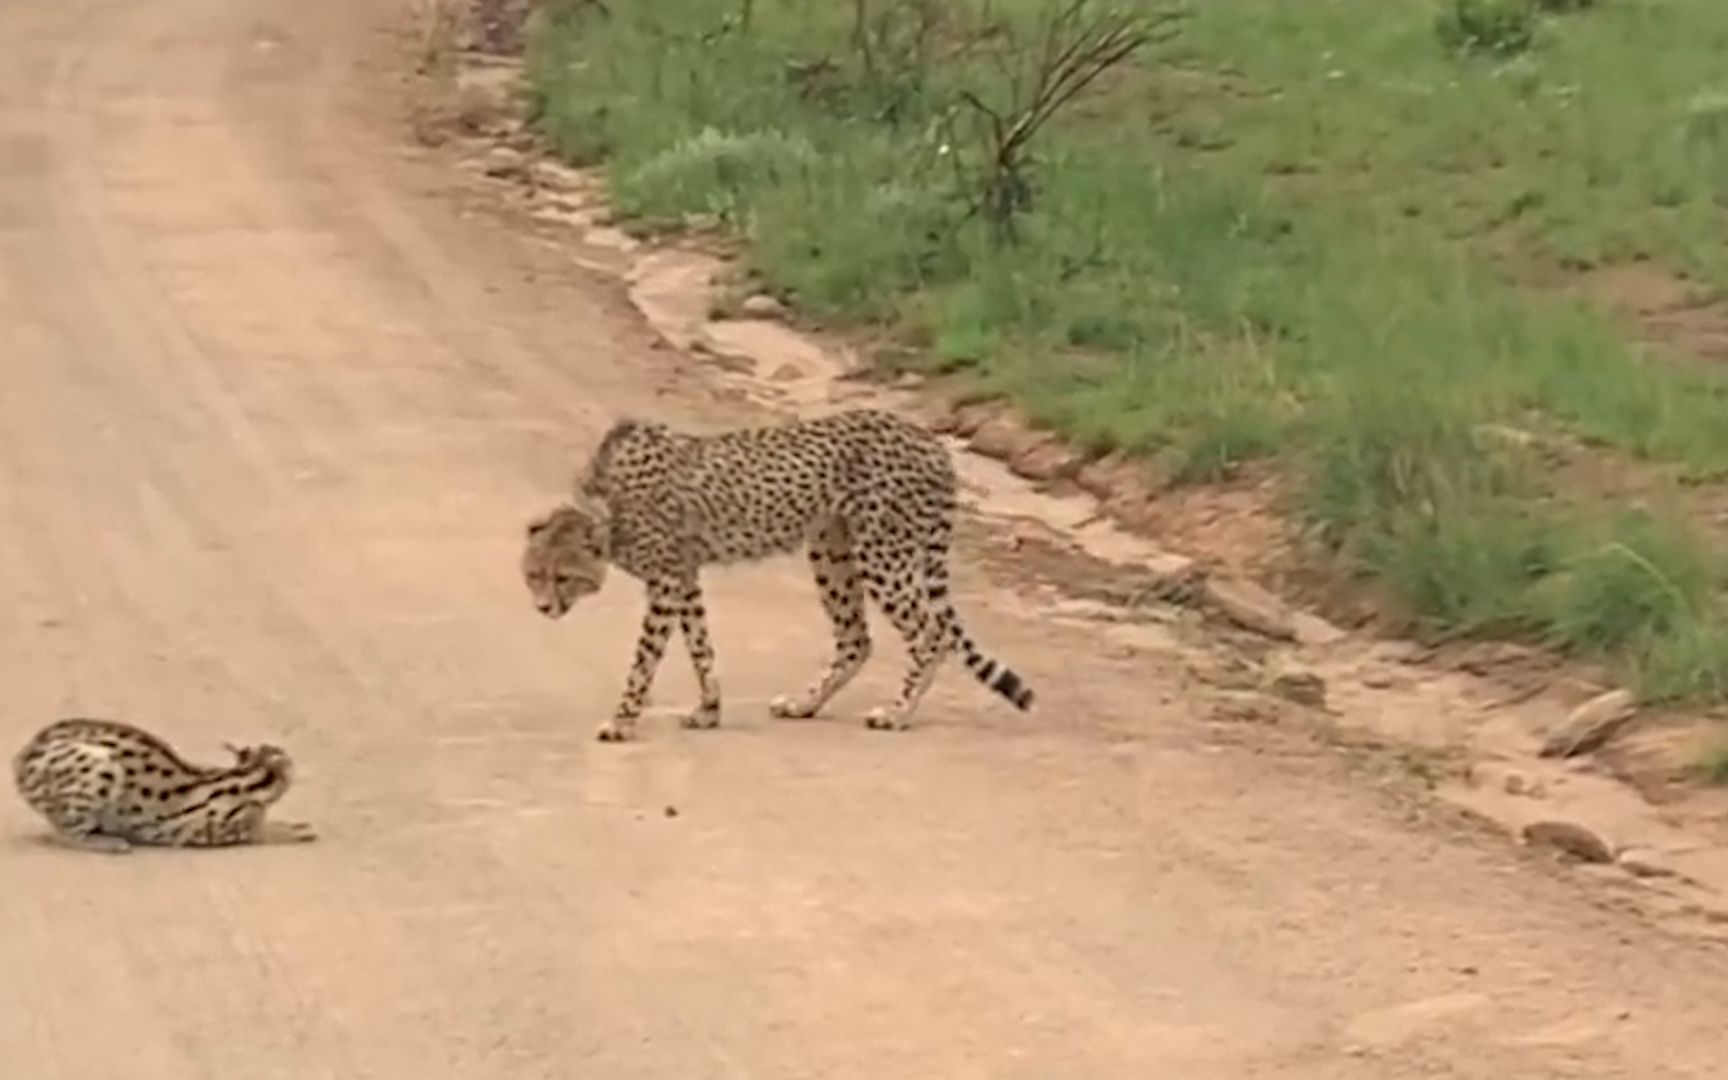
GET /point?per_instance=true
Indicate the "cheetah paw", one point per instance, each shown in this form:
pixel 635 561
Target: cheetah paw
pixel 703 719
pixel 615 731
pixel 787 707
pixel 881 718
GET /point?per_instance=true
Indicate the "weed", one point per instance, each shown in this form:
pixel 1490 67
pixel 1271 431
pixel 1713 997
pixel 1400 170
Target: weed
pixel 1715 765
pixel 1495 27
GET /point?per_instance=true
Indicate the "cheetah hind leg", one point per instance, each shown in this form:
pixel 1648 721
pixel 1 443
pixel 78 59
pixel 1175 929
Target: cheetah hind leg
pixel 906 603
pixel 842 593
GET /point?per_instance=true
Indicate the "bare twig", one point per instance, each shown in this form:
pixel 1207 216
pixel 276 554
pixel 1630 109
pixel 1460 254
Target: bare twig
pixel 1077 46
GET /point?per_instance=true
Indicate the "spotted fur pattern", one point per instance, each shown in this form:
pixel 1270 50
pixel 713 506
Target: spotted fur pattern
pixel 870 496
pixel 105 786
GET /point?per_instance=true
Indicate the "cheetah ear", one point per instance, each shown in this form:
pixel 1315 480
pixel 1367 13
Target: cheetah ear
pixel 597 519
pixel 541 523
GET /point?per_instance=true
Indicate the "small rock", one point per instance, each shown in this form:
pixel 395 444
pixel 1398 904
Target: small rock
pixel 1301 686
pixel 671 811
pixel 1002 437
pixel 762 306
pixel 1487 657
pixel 1645 863
pixel 557 176
pixel 1049 460
pixel 786 373
pixel 503 163
pixel 1113 476
pixel 1591 724
pixel 1313 630
pixel 1518 784
pixel 429 130
pixel 1570 838
pixel 1251 607
pixel 970 417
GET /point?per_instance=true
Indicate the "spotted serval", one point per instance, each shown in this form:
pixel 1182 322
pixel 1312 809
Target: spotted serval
pixel 106 786
pixel 870 495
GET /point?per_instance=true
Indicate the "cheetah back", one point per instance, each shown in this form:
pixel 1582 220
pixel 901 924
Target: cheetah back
pixel 744 495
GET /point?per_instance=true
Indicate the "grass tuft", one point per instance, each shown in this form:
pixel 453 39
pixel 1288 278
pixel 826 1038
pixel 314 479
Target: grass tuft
pixel 1716 765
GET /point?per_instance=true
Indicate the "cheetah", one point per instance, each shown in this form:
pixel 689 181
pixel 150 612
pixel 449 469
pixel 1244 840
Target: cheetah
pixel 105 786
pixel 869 496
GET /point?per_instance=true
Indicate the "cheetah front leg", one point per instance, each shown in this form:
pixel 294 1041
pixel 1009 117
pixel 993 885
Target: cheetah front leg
pixel 693 620
pixel 842 593
pixel 663 611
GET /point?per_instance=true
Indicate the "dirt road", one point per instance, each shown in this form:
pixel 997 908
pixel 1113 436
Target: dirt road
pixel 272 410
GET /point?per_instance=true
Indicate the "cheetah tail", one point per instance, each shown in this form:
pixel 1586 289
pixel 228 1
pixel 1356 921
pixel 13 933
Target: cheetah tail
pixel 992 672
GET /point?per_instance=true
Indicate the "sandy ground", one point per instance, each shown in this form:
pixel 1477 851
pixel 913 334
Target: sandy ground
pixel 272 411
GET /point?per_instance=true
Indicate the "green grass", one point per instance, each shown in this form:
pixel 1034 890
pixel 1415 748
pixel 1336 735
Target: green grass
pixel 1716 765
pixel 1288 235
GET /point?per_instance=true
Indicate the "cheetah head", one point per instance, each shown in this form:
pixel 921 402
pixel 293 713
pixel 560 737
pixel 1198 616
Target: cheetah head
pixel 565 557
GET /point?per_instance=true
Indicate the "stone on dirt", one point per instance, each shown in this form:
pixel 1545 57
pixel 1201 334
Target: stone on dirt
pixel 1048 460
pixel 1591 724
pixel 1002 437
pixel 1299 685
pixel 762 306
pixel 1570 838
pixel 504 163
pixel 1251 607
pixel 968 418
